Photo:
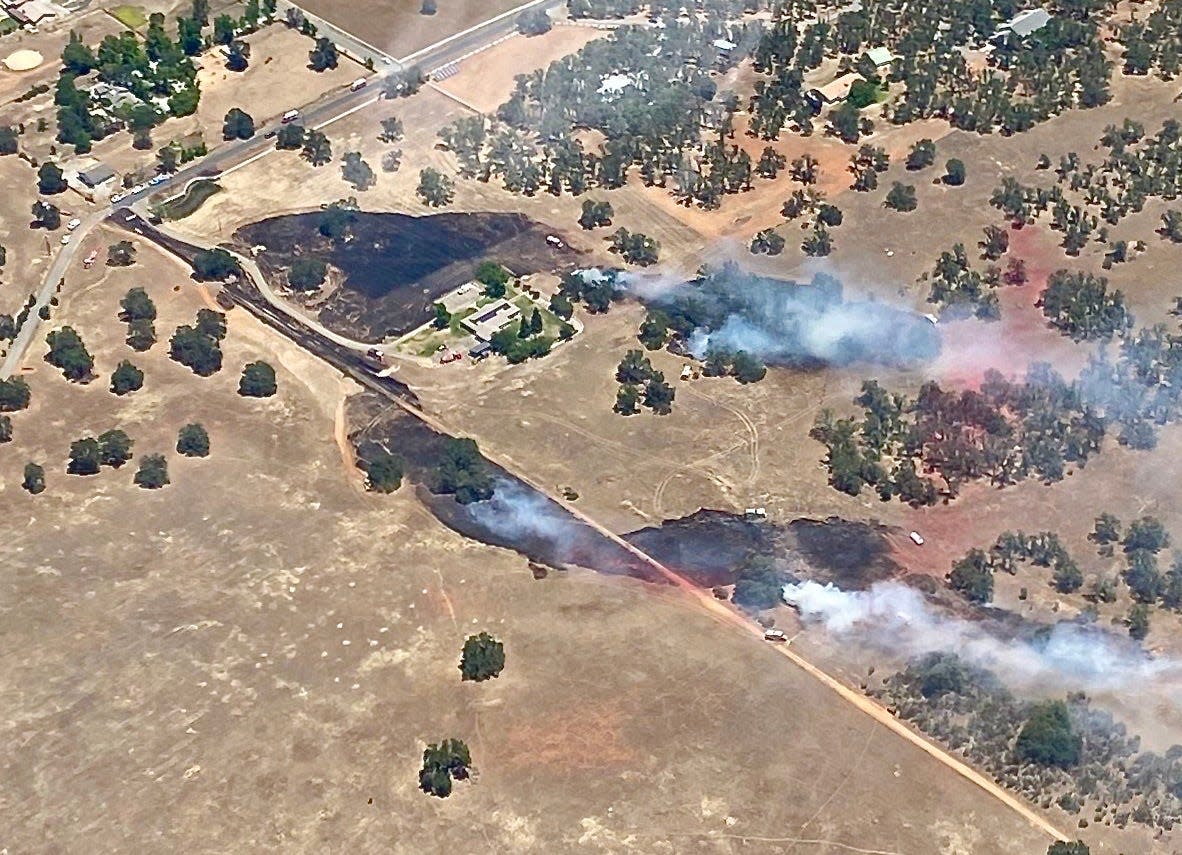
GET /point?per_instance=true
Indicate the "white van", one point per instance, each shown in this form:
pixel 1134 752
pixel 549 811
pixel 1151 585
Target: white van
pixel 359 83
pixel 290 116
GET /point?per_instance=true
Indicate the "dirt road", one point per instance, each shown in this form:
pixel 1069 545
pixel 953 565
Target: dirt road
pixel 726 615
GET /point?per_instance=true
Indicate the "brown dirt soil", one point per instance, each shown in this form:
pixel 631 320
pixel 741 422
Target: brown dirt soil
pixel 485 80
pixel 253 657
pixel 398 28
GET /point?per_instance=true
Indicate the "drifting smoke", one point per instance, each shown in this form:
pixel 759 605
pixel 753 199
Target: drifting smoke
pixel 1070 657
pixel 519 515
pixel 787 323
pixel 520 518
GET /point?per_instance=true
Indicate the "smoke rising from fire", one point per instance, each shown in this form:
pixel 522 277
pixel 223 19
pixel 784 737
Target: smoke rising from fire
pixel 1068 657
pixel 787 323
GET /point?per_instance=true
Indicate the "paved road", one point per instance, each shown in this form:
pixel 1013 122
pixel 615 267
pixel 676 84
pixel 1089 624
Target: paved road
pixel 233 155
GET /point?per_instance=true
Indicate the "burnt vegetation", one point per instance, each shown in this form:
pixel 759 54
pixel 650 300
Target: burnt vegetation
pixel 1061 752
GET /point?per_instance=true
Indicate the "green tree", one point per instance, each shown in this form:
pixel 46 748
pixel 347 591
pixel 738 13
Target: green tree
pixel 972 576
pixel 759 584
pixel 922 155
pixel 5 429
pixel 493 277
pixel 114 448
pixel 442 317
pixel 192 440
pixel 954 172
pixel 141 334
pixel 214 265
pixel 84 457
pixel 14 395
pixel 34 478
pixel 747 368
pixel 317 149
pixel 126 378
pixel 323 56
pixel 238 56
pixel 77 57
pixel 901 197
pixel 659 395
pixel 137 305
pixel 384 472
pixel 211 323
pixel 862 94
pixel 258 381
pixel 441 763
pixel 223 31
pixel 238 125
pixel 335 222
pixel 356 171
pixel 1047 738
pixel 1146 533
pixel 152 473
pixel 845 122
pixel 483 658
pixel 596 214
pixel 196 351
pixel 67 352
pixel 307 274
pixel 627 400
pixel 184 103
pixel 1076 848
pixel 50 179
pixel 392 130
pixel 435 188
pixel 1067 576
pixel 290 137
pixel 189 36
pixel 8 140
pixel 767 242
pixel 47 216
pixel 461 470
pixel 121 254
pixel 1138 621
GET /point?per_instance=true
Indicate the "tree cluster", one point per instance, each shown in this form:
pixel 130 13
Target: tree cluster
pixel 641 384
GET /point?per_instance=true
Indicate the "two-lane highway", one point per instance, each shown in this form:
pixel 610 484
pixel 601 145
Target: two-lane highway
pixel 233 155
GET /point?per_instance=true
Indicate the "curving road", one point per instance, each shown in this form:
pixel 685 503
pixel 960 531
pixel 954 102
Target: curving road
pixel 234 155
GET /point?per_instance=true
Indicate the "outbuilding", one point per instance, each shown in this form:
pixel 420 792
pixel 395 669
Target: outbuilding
pixel 837 90
pixel 880 56
pixel 96 175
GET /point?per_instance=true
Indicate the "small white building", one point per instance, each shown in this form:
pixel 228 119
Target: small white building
pixel 880 56
pixel 486 322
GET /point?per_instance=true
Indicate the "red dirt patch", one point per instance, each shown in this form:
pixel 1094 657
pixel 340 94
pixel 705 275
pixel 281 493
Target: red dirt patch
pixel 1022 336
pixel 572 740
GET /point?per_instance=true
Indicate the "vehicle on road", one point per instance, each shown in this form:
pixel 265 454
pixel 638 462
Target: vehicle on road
pixel 775 635
pixel 73 224
pixel 290 116
pixel 359 83
pixel 65 239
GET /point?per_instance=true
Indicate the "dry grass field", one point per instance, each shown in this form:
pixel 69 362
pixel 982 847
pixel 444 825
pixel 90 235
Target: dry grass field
pixel 181 671
pixel 397 27
pixel 264 608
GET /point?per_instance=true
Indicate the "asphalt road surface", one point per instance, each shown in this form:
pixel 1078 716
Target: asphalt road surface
pixel 234 154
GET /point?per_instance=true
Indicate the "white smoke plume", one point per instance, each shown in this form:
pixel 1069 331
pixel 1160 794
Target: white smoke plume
pixel 519 514
pixel 787 322
pixel 1070 657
